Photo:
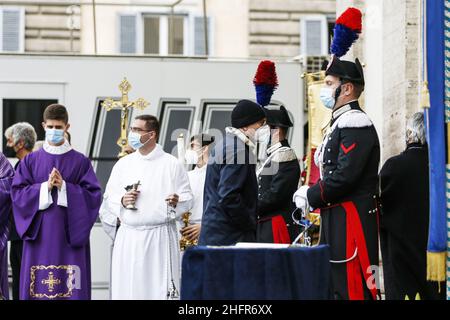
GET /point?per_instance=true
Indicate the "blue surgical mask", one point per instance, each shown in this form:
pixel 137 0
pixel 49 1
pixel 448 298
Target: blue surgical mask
pixel 54 136
pixel 134 140
pixel 326 96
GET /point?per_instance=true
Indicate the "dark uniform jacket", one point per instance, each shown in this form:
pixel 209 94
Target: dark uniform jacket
pixel 230 194
pixel 347 196
pixel 277 182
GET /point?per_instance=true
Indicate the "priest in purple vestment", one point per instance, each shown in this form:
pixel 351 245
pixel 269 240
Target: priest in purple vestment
pixel 56 199
pixel 6 176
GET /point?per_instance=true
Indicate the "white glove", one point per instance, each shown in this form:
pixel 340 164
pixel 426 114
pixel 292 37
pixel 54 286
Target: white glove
pixel 300 198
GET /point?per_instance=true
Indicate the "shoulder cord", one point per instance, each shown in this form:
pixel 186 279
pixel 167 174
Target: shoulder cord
pixel 258 172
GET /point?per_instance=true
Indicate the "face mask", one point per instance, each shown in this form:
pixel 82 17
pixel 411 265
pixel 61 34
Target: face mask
pixel 134 140
pixel 54 136
pixel 263 134
pixel 326 96
pixel 191 156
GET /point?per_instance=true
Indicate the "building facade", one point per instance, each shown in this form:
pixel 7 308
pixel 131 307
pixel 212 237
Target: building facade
pixel 35 26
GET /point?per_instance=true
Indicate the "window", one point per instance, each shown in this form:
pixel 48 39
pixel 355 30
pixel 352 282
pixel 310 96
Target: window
pixel 12 29
pixel 24 110
pixel 103 148
pixel 151 35
pixel 128 32
pixel 163 34
pixel 175 119
pixel 199 35
pixel 176 35
pixel 314 35
pixel 216 117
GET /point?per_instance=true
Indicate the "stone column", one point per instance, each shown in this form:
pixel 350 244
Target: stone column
pixel 401 63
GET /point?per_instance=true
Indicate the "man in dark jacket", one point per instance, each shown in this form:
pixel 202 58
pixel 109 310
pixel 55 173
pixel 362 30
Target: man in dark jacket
pixel 277 180
pixel 404 222
pixel 22 141
pixel 348 160
pixel 231 191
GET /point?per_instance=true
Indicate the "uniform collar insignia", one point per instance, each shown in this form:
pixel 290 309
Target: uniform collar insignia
pixel 352 105
pixel 341 111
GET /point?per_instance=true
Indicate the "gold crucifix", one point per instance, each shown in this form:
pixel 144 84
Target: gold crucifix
pixel 125 105
pixel 51 282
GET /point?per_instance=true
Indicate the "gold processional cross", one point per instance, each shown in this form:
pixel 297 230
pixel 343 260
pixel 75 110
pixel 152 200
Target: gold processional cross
pixel 125 106
pixel 51 282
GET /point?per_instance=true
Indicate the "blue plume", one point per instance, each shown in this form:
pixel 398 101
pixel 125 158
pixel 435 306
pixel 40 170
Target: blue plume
pixel 343 39
pixel 264 93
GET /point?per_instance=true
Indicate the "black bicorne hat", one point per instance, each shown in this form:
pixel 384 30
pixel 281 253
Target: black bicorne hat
pixel 277 116
pixel 346 70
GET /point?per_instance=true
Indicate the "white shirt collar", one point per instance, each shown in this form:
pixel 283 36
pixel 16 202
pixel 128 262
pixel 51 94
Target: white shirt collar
pixel 201 169
pixel 155 153
pixel 64 148
pixel 238 133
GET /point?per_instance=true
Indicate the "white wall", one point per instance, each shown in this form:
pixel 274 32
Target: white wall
pixel 230 27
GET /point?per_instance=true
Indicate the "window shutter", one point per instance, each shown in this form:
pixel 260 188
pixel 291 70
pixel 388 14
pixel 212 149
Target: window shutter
pixel 313 45
pixel 12 32
pixel 199 35
pixel 128 36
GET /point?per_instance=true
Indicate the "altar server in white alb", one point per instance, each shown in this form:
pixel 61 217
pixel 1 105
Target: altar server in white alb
pixel 198 155
pixel 146 254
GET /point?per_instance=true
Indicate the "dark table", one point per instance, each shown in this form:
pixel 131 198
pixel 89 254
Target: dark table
pixel 256 274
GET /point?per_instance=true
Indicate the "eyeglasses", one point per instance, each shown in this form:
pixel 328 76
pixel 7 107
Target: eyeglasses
pixel 138 130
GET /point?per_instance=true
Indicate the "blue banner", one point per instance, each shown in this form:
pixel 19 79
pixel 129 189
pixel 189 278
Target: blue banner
pixel 437 239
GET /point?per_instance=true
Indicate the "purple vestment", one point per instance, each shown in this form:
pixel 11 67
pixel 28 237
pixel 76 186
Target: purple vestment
pixel 6 176
pixel 56 256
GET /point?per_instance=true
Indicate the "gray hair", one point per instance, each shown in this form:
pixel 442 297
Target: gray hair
pixel 25 132
pixel 415 129
pixel 8 132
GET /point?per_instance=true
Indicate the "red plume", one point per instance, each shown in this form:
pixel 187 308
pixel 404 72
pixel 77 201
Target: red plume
pixel 266 74
pixel 351 18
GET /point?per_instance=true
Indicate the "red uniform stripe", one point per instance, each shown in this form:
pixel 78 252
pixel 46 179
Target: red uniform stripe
pixel 361 264
pixel 279 230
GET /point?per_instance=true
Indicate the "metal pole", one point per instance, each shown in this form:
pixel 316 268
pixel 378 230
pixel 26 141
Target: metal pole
pixel 205 26
pixel 95 27
pixel 171 29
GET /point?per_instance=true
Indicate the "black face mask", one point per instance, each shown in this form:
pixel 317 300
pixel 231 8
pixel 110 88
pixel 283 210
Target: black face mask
pixel 9 152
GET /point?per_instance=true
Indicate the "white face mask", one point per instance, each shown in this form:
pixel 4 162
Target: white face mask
pixel 191 156
pixel 262 134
